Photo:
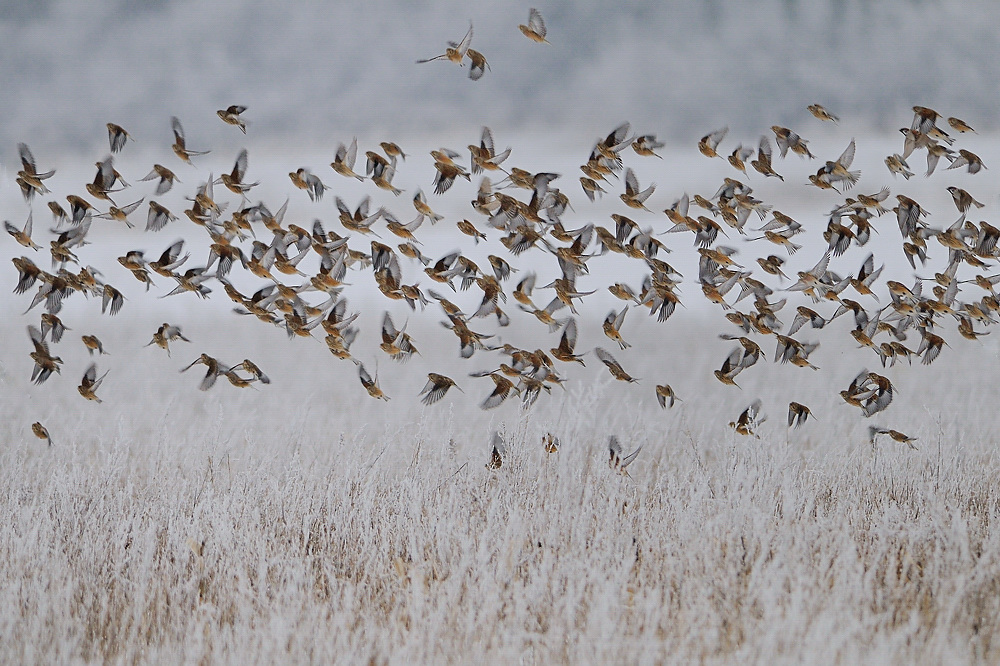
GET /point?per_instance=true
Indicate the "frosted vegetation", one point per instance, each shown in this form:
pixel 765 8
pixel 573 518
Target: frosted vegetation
pixel 206 529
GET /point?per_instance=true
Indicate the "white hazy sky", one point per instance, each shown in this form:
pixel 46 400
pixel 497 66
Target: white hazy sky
pixel 309 71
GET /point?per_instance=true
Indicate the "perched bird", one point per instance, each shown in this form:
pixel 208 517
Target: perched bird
pixel 535 29
pixel 231 116
pixel 498 451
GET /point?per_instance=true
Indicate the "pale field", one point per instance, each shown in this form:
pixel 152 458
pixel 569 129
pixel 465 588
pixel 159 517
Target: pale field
pixel 337 528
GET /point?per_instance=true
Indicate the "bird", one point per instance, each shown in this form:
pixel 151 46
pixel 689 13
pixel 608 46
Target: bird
pixel 616 459
pixel 370 384
pixel 23 235
pixel 231 116
pixel 749 419
pixel 665 396
pixel 436 387
pixel 710 142
pixel 633 197
pixel 455 52
pixel 612 326
pixel 535 28
pixel 213 370
pixel 117 136
pixel 249 367
pixel 797 414
pixel 41 432
pixel 821 113
pixel 166 334
pixel 613 366
pixel 344 159
pixel 498 451
pixel 180 145
pixel 567 343
pixel 93 345
pixel 90 383
pixel 895 435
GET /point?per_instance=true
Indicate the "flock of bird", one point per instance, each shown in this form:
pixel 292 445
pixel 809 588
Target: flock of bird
pixel 522 213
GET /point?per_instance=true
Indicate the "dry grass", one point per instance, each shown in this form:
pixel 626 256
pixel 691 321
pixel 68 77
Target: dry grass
pixel 202 528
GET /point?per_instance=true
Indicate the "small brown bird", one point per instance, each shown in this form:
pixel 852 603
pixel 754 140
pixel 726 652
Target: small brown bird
pixel 963 200
pixel 117 136
pixel 897 165
pixel 550 443
pixel 498 452
pixel 40 432
pixel 895 435
pixel 370 384
pixel 45 363
pixel 612 327
pixel 180 147
pixel 710 142
pixel 165 177
pixel 90 383
pixel 22 236
pixel 251 368
pixel 477 64
pixel 633 197
pixel 749 419
pixel 214 369
pixel 344 159
pixel 93 345
pixel 455 52
pixel 567 343
pixel 969 160
pixel 797 414
pixel 164 335
pixel 666 396
pixel 614 367
pixel 615 458
pixel 819 112
pixel 435 388
pixel 502 390
pixel 959 125
pixel 234 179
pixel 535 29
pixel 231 116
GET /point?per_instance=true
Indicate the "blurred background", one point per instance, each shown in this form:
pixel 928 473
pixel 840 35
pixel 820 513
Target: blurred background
pixel 311 70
